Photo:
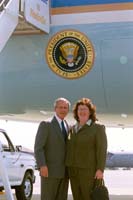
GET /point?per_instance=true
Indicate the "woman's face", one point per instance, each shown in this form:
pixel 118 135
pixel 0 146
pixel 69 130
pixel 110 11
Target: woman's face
pixel 83 113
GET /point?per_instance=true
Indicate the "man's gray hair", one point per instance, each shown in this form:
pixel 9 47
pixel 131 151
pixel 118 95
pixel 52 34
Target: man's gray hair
pixel 62 99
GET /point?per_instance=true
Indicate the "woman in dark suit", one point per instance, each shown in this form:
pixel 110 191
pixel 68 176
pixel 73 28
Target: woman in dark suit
pixel 86 150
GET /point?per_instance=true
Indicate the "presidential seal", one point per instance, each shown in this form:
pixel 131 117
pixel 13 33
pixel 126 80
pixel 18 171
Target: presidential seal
pixel 70 54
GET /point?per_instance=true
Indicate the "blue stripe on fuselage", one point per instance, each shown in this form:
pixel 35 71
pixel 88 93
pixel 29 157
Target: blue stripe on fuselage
pixel 69 3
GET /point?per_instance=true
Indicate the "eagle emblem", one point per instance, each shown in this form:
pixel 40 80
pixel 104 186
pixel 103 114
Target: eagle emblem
pixel 69 52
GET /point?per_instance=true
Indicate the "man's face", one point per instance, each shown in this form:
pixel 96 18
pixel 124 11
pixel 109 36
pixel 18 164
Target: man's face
pixel 61 109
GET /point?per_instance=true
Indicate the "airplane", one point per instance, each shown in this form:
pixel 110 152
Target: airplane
pixel 101 34
pixel 119 160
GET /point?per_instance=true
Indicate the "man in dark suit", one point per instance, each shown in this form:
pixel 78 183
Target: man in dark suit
pixel 50 150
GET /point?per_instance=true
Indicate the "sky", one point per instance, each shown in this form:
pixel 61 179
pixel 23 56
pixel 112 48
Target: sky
pixel 23 133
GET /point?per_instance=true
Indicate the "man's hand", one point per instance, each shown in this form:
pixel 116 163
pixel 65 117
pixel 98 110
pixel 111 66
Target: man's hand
pixel 44 171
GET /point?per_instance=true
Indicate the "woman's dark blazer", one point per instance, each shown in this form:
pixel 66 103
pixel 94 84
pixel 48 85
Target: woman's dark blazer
pixel 87 148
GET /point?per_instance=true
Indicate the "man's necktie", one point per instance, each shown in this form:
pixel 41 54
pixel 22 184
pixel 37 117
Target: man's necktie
pixel 64 130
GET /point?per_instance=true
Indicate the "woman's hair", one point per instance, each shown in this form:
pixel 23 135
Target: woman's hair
pixel 88 103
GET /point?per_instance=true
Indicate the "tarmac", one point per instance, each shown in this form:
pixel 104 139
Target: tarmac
pixel 112 197
pixel 119 183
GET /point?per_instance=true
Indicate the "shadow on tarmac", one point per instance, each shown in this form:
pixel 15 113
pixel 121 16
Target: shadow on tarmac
pixel 112 197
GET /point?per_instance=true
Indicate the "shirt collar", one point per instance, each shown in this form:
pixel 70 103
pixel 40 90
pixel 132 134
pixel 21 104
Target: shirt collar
pixel 58 119
pixel 88 123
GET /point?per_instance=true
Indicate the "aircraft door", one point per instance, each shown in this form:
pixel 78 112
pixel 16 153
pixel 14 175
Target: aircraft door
pixel 117 74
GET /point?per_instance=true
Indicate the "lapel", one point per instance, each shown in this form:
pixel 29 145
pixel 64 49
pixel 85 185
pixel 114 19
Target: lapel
pixel 67 126
pixel 57 129
pixel 85 127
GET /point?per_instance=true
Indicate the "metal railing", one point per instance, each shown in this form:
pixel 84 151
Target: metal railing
pixel 3 3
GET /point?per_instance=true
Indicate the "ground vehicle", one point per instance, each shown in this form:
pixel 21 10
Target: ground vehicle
pixel 20 168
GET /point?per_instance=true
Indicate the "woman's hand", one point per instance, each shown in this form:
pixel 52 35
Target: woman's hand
pixel 99 174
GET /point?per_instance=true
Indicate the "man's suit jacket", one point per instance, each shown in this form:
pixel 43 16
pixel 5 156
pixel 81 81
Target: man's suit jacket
pixel 50 148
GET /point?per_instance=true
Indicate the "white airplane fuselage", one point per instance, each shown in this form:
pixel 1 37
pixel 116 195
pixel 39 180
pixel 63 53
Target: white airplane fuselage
pixel 28 86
